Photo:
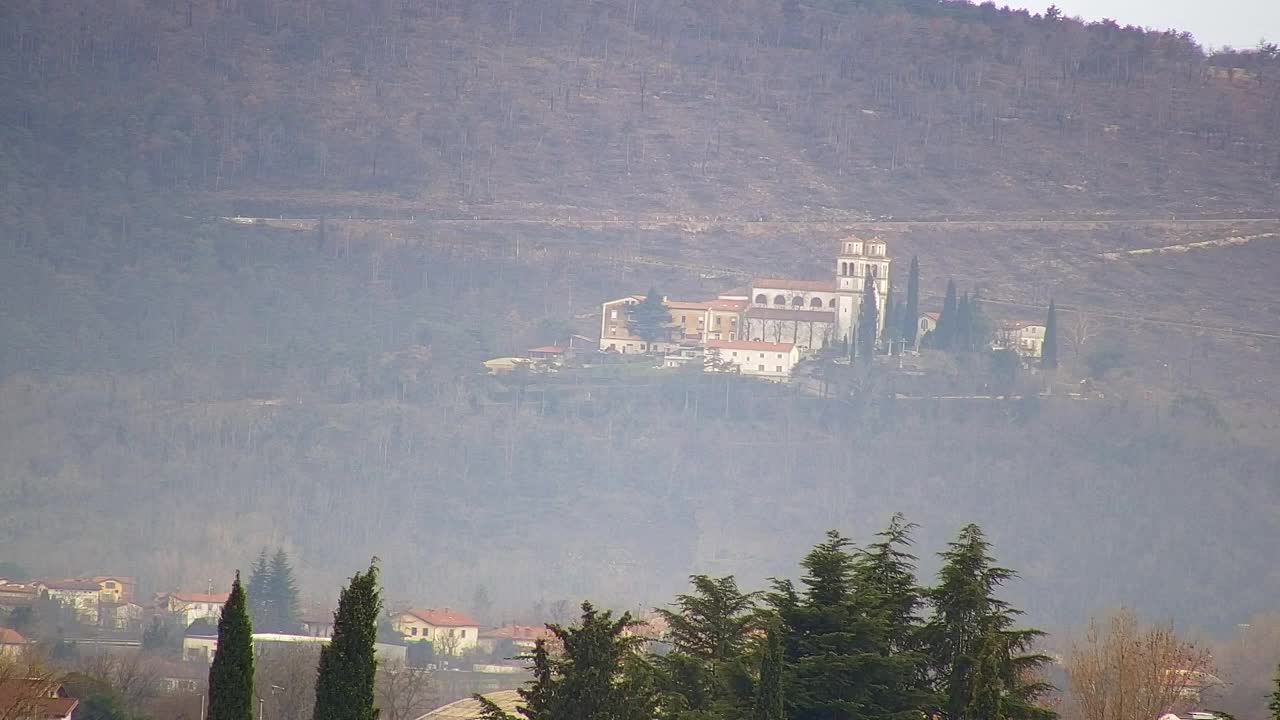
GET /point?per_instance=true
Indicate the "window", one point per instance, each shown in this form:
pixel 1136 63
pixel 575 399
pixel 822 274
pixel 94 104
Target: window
pixel 797 301
pixel 413 632
pixel 718 319
pixel 760 368
pixel 875 271
pixel 735 353
pixel 816 302
pixel 832 304
pixel 778 369
pixel 779 300
pixel 613 329
pixel 761 299
pixel 613 314
pixel 681 319
pixel 464 633
pixel 779 356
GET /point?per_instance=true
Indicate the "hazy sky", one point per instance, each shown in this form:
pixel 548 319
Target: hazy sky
pixel 1240 23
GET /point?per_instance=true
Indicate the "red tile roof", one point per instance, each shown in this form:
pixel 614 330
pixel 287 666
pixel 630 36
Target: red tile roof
pixel 722 304
pixel 547 349
pixel 749 345
pixel 687 304
pixel 763 313
pixel 759 284
pixel 47 699
pixel 68 584
pixel 443 618
pixel 11 637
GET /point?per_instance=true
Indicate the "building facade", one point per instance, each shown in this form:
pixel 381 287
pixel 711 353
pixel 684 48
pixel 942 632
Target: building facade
pixel 450 632
pixel 809 314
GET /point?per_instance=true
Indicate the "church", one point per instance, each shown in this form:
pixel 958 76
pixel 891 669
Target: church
pixel 807 315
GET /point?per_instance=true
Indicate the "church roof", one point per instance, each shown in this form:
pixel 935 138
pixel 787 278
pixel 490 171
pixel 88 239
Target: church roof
pixel 787 284
pixel 763 313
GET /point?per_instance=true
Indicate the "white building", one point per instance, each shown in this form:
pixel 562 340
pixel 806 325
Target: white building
pixel 450 632
pixel 773 361
pixel 1022 336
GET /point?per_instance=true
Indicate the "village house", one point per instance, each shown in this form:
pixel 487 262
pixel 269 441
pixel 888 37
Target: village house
pixel 12 644
pixel 190 606
pixel 317 623
pixel 807 314
pixel 17 594
pixel 35 699
pixel 927 323
pixel 522 638
pixel 114 588
pixel 78 594
pixel 450 632
pixel 772 361
pixel 1021 336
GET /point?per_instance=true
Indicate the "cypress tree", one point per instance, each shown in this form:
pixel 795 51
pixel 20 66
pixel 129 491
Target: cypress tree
pixel 944 332
pixel 259 592
pixel 868 319
pixel 889 329
pixel 962 336
pixel 1274 705
pixel 910 314
pixel 344 683
pixel 1049 351
pixel 231 674
pixel 769 703
pixel 284 612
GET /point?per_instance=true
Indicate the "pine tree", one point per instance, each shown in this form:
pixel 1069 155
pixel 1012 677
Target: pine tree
pixel 596 676
pixel 910 314
pixel 231 674
pixel 769 701
pixel 986 693
pixel 868 319
pixel 947 320
pixel 649 319
pixel 965 611
pixel 259 592
pixel 1049 351
pixel 345 681
pixel 707 670
pixel 284 613
pixel 832 656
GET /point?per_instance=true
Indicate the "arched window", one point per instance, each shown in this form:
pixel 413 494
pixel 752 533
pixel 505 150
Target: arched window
pixel 844 269
pixel 779 300
pixel 761 299
pixel 816 302
pixel 875 271
pixel 797 301
pixel 832 304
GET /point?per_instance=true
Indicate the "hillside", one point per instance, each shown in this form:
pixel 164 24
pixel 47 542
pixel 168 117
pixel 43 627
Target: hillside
pixel 831 109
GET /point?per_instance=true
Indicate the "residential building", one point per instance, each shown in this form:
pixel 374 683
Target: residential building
pixel 1022 336
pixel 522 638
pixel 202 647
pixel 114 588
pixel 35 699
pixel 450 632
pixel 192 606
pixel 78 594
pixel 927 323
pixel 772 361
pixel 12 644
pixel 317 623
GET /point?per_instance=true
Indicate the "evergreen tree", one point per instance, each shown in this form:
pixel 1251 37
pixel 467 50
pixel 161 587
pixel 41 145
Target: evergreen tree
pixel 944 331
pixel 596 676
pixel 986 693
pixel 868 319
pixel 769 701
pixel 1274 705
pixel 889 328
pixel 649 319
pixel 1049 351
pixel 231 674
pixel 283 611
pixel 259 592
pixel 831 653
pixel 962 335
pixel 966 610
pixel 345 681
pixel 707 670
pixel 910 314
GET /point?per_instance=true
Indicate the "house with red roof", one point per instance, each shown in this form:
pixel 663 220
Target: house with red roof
pixel 450 632
pixel 521 637
pixel 35 699
pixel 12 645
pixel 192 606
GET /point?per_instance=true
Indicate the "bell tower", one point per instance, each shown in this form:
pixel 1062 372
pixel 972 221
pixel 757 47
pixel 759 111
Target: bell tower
pixel 858 260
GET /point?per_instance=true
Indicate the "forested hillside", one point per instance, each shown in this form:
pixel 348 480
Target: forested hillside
pixel 831 108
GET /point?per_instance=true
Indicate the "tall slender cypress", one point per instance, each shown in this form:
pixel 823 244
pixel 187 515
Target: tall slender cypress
pixel 231 674
pixel 344 683
pixel 868 319
pixel 947 320
pixel 1049 351
pixel 910 314
pixel 770 704
pixel 962 333
pixel 889 328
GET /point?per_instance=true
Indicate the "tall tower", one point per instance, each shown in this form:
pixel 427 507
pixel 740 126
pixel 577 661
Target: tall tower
pixel 857 260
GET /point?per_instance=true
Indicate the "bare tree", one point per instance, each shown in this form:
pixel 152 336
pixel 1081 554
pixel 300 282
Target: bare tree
pixel 1082 329
pixel 134 675
pixel 26 680
pixel 401 692
pixel 1122 669
pixel 285 678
